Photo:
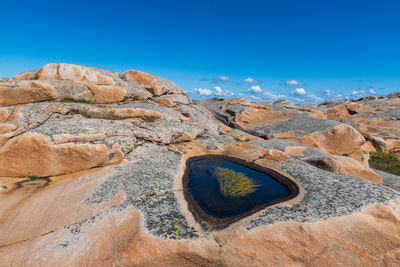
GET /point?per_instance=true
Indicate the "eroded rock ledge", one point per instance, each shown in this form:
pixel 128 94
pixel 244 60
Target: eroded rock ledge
pixel 106 151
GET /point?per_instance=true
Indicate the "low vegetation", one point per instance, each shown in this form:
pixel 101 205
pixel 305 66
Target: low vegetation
pixel 240 139
pixel 82 101
pixel 386 162
pixel 234 184
pixel 33 177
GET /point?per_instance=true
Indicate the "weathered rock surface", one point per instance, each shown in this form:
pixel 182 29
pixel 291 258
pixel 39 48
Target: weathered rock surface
pixel 376 117
pixel 59 81
pixel 105 186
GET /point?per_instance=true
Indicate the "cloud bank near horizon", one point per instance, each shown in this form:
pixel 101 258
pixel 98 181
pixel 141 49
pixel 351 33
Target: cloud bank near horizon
pixel 292 90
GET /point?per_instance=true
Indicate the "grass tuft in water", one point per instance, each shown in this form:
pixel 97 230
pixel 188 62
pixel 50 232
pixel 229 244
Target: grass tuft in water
pixel 234 184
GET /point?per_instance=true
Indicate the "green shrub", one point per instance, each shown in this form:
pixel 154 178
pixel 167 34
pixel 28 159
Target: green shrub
pixel 234 184
pixel 386 162
pixel 33 177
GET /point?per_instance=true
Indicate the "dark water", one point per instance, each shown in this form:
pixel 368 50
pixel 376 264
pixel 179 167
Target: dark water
pixel 204 187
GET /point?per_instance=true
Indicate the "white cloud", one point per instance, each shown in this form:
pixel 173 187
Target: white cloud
pixel 221 79
pixel 314 97
pixel 218 90
pixel 221 92
pixel 273 96
pixel 362 92
pixel 299 99
pixel 202 91
pixel 302 96
pixel 292 82
pixel 249 80
pixel 255 97
pixel 299 91
pixel 255 89
pixel 330 95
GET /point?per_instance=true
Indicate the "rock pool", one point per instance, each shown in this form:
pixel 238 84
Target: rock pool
pixel 222 189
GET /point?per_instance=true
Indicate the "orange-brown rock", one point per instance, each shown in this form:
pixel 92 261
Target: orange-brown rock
pixel 386 128
pixel 343 139
pixel 318 114
pixel 252 117
pixel 3 115
pixel 146 79
pixel 76 73
pixel 354 106
pixel 164 101
pixel 295 150
pixel 245 151
pixel 40 206
pixel 107 94
pixel 362 154
pixel 251 152
pixel 26 92
pixel 33 155
pixel 15 115
pixel 275 155
pixel 367 238
pixel 5 128
pixel 103 87
pixel 338 113
pixel 347 166
pixel 26 75
pixel 137 113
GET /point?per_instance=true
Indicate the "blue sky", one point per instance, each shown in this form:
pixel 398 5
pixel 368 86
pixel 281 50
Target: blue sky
pixel 302 50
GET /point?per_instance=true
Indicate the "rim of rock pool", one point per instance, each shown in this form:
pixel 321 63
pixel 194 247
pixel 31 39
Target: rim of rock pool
pixel 209 222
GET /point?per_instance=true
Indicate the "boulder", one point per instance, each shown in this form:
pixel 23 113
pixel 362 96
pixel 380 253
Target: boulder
pixel 33 155
pixel 346 166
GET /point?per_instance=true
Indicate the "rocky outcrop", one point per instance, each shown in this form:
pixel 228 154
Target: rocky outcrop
pixel 60 81
pixel 282 121
pixel 98 182
pixel 376 117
